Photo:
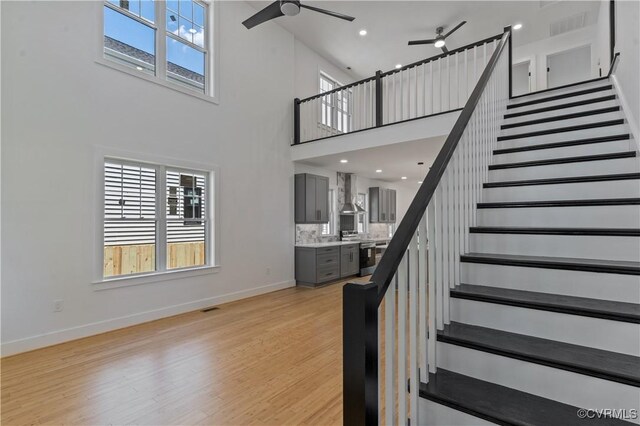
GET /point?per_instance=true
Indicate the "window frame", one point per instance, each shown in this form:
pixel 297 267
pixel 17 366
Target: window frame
pixel 335 106
pixel 331 224
pixel 212 55
pixel 365 215
pixel 161 165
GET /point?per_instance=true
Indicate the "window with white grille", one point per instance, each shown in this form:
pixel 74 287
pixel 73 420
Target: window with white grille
pixel 335 107
pixel 329 228
pixel 156 218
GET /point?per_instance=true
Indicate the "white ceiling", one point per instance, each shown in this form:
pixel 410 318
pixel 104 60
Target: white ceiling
pixel 391 24
pixel 395 161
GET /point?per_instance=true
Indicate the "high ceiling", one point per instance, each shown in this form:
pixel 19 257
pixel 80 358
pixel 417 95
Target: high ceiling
pixel 391 24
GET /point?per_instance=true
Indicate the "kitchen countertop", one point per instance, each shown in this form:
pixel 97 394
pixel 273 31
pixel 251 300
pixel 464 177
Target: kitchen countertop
pixel 329 244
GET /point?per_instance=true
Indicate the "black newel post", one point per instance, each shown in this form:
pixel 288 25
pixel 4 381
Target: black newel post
pixel 508 29
pixel 360 354
pixel 296 121
pixel 379 100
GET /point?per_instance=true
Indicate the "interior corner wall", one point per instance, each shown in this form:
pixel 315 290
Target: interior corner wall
pixel 601 55
pixel 58 104
pixel 538 51
pixel 308 65
pixel 627 75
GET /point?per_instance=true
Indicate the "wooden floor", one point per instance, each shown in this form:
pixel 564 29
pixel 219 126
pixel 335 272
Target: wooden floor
pixel 272 359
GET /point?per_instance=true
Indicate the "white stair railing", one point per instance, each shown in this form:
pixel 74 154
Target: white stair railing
pixel 412 282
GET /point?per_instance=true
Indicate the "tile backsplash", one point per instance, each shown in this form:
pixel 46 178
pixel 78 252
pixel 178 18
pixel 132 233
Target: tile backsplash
pixel 312 233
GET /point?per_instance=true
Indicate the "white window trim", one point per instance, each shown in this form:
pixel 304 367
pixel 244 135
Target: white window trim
pixel 212 255
pixel 334 108
pixel 333 223
pixel 212 78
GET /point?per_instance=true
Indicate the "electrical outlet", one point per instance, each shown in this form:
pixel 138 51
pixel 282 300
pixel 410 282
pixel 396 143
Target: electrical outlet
pixel 58 305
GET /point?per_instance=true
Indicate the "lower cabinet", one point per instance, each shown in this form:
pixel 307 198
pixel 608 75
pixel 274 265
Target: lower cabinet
pixel 319 265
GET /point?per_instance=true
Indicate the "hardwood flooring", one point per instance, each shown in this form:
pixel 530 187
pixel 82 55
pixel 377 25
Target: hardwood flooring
pixel 272 359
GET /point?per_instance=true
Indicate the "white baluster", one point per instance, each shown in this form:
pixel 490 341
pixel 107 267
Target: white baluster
pixel 402 341
pixel 422 292
pixel 413 328
pixel 424 89
pixel 433 296
pixel 439 258
pixel 440 85
pixel 431 94
pixel 390 352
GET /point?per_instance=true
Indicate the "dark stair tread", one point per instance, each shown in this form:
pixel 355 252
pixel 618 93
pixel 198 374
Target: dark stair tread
pixel 561 96
pixel 563 180
pixel 568 263
pixel 561 106
pixel 562 117
pixel 562 144
pixel 596 308
pixel 501 404
pixel 607 232
pixel 562 203
pixel 563 129
pixel 607 365
pixel 564 160
pixel 564 86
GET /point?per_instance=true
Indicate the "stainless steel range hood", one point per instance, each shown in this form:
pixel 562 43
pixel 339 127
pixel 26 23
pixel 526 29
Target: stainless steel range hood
pixel 350 190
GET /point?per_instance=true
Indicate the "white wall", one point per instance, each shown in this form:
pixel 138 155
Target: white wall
pixel 627 75
pixel 600 52
pixel 538 51
pixel 308 65
pixel 58 105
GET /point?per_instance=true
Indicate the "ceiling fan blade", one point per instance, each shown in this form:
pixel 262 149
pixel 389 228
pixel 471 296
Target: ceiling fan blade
pixel 328 12
pixel 414 42
pixel 270 12
pixel 444 49
pixel 456 28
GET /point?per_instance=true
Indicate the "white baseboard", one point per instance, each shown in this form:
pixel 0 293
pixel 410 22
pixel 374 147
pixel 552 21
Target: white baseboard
pixel 60 336
pixel 627 110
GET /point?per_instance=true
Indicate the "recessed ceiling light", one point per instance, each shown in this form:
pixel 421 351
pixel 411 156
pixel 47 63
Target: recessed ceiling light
pixel 363 32
pixel 517 26
pixel 344 161
pixel 192 30
pixel 420 182
pixel 403 178
pixel 398 66
pixel 139 68
pixel 378 171
pixel 439 43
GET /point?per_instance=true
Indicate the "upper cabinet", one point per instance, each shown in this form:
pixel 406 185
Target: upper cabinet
pixel 311 198
pixel 382 205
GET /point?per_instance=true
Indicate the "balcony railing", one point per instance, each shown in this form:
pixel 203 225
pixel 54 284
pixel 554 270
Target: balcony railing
pixel 435 85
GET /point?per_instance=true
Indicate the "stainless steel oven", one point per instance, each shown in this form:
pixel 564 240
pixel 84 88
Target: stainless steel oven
pixel 367 257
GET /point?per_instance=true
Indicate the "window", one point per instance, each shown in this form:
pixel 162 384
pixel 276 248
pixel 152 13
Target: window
pixel 138 32
pixel 335 107
pixel 329 228
pixel 361 200
pixel 141 236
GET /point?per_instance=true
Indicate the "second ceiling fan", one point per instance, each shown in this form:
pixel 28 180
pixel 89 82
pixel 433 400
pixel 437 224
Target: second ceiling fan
pixel 287 7
pixel 439 41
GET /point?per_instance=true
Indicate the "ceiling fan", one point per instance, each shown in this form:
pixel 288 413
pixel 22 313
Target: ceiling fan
pixel 289 8
pixel 439 41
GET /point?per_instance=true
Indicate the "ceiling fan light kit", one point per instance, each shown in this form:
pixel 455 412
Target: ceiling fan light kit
pixel 440 39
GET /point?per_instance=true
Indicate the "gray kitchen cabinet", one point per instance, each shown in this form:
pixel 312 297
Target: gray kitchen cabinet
pixel 349 260
pixel 319 265
pixel 382 205
pixel 311 198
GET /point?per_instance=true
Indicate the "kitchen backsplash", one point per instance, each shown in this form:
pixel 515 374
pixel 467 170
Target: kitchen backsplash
pixel 312 233
pixel 378 230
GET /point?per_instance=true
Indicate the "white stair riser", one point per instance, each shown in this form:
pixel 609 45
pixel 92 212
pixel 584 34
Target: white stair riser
pixel 565 151
pixel 616 287
pixel 560 385
pixel 618 129
pixel 582 168
pixel 577 217
pixel 577 246
pixel 615 336
pixel 565 191
pixel 561 101
pixel 562 123
pixel 432 413
pixel 562 111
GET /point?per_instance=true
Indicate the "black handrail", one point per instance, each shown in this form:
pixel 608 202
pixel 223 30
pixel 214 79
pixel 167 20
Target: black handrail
pixel 361 300
pixel 388 265
pixel 614 63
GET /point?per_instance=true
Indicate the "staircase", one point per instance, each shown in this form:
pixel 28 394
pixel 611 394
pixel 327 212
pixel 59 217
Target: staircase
pixel 545 320
pixel 510 293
